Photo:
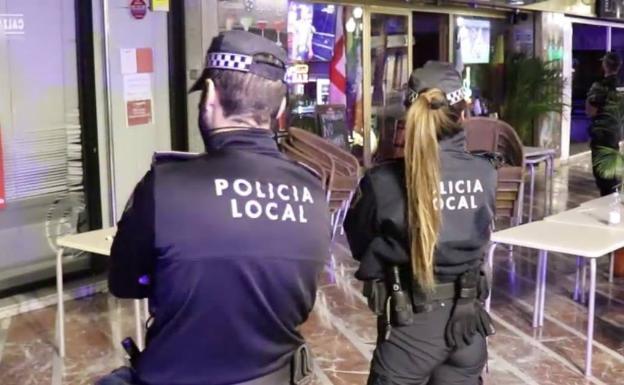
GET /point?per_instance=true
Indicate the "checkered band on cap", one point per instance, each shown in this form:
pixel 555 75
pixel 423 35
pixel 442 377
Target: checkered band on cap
pixel 455 96
pixel 229 61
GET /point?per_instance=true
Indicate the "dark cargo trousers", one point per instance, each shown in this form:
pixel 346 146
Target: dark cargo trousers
pixel 418 355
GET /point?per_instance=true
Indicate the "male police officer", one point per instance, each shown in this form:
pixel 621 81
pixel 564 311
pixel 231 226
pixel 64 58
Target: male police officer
pixel 228 245
pixel 604 130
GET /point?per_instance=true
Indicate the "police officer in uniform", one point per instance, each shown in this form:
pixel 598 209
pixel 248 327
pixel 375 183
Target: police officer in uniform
pixel 227 245
pixel 604 129
pixel 419 227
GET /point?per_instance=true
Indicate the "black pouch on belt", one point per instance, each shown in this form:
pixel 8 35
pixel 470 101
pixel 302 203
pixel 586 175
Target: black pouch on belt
pixel 402 312
pixel 376 294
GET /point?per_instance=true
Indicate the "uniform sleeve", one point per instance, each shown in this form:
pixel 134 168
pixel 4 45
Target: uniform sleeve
pixel 360 221
pixel 133 253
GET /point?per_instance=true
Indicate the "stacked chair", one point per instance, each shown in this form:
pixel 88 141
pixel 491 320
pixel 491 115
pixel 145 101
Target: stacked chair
pixel 337 169
pixel 492 135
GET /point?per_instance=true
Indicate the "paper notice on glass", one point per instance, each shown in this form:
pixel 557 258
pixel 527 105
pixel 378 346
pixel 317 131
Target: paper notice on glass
pixel 138 96
pixel 128 61
pixel 137 87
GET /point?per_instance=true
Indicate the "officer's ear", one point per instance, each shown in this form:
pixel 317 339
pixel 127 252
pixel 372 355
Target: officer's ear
pixel 282 108
pixel 211 94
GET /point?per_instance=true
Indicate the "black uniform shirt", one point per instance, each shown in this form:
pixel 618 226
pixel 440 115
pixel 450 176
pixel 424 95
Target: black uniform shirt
pixel 604 128
pixel 376 225
pixel 232 243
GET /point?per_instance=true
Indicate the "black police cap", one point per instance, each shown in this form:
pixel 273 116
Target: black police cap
pixel 438 75
pixel 245 52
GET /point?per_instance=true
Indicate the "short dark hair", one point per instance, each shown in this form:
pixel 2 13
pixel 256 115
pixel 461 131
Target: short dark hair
pixel 246 94
pixel 612 62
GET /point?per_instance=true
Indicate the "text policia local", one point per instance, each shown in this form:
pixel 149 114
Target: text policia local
pixel 259 200
pixel 458 195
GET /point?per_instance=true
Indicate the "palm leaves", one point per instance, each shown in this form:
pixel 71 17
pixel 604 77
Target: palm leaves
pixel 533 88
pixel 610 161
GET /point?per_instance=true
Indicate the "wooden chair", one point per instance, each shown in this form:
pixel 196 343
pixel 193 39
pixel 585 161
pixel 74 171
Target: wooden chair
pixel 492 135
pixel 341 166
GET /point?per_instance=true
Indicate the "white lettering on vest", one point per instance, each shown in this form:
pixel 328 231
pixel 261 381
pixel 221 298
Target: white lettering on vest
pixel 307 196
pixel 289 214
pixel 462 189
pixel 302 218
pixel 259 192
pixel 271 213
pixel 253 209
pixel 271 192
pixel 220 186
pixel 477 187
pixel 242 187
pixel 235 212
pixel 281 194
pixel 450 203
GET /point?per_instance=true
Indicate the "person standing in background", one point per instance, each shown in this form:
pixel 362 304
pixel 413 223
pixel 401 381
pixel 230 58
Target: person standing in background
pixel 604 130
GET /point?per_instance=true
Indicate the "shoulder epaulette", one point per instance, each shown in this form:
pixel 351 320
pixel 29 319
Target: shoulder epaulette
pixel 161 157
pixel 494 158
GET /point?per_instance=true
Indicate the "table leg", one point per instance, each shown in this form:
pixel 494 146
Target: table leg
pixel 138 324
pixel 590 319
pixel 577 282
pixel 543 282
pixel 531 191
pixel 611 267
pixel 60 303
pixel 538 291
pixel 550 163
pixel 583 281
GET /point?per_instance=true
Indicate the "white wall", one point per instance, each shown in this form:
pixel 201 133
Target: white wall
pixel 132 146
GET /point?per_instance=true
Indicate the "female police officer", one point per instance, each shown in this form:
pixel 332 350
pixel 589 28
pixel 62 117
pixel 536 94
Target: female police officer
pixel 419 227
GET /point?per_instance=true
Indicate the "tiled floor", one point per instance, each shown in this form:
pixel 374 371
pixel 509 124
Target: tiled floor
pixel 341 330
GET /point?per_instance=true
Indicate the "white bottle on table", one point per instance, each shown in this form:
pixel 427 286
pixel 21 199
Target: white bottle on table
pixel 615 216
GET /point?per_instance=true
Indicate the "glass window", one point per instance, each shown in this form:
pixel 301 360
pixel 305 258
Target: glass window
pixel 41 164
pixel 481 46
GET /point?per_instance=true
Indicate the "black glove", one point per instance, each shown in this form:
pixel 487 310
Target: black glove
pixel 467 318
pixel 485 326
pixel 462 326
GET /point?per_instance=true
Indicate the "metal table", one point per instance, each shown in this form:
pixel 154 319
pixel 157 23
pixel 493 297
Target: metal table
pixel 96 242
pixel 588 242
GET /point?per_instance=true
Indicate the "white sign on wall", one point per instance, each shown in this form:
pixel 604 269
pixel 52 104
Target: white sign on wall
pixel 12 24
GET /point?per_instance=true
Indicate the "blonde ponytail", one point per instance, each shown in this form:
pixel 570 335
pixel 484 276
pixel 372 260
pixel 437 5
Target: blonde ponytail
pixel 427 120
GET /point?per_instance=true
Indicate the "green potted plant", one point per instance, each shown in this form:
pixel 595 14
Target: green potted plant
pixel 610 162
pixel 533 88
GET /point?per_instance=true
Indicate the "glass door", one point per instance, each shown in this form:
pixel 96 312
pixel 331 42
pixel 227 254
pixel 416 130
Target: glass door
pixel 387 66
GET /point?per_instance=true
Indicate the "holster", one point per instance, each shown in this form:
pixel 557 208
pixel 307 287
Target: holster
pixel 485 282
pixel 376 294
pixel 301 366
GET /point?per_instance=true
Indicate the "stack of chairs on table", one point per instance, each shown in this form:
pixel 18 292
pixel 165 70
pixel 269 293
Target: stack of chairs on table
pixel 338 169
pixel 496 136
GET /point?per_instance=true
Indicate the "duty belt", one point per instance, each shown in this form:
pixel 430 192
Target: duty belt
pixel 298 372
